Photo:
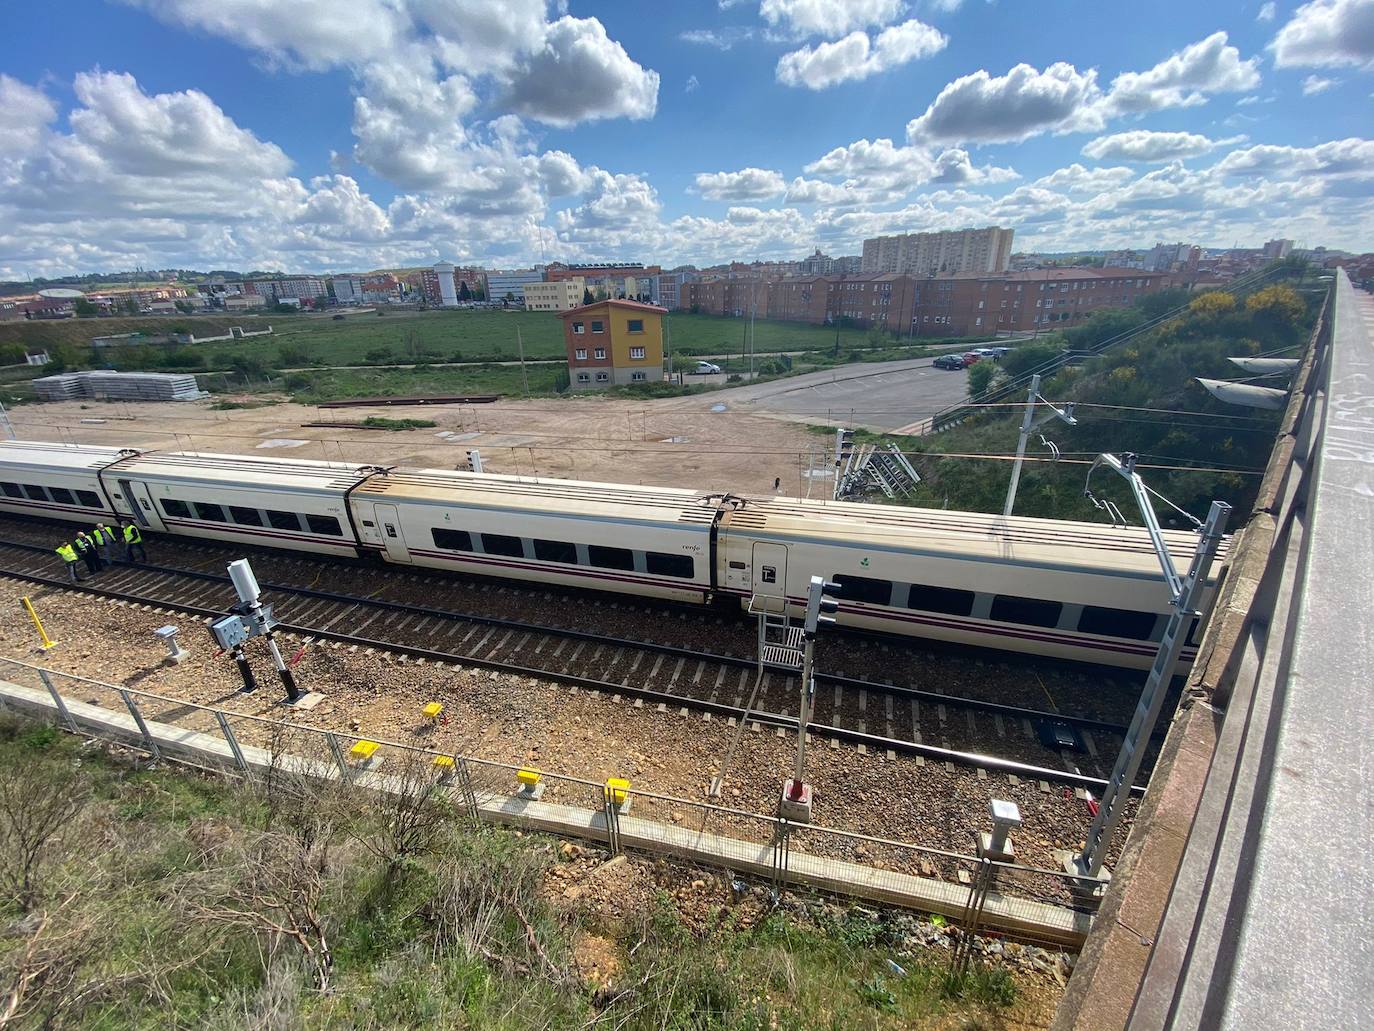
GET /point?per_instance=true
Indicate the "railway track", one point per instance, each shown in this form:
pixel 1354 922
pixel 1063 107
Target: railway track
pixel 880 717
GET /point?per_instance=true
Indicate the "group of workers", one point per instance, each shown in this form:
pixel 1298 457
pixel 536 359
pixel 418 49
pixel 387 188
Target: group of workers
pixel 96 546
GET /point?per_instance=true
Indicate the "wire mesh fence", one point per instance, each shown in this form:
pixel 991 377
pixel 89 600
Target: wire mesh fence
pixel 278 755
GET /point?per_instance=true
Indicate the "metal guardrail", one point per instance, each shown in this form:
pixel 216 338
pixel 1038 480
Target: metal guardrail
pixel 846 862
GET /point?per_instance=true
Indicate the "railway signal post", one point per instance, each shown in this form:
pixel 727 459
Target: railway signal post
pixel 795 804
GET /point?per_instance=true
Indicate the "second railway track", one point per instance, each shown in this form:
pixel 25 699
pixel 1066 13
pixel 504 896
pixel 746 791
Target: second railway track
pixel 876 715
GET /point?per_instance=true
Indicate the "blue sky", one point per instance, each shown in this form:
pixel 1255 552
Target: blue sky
pixel 353 134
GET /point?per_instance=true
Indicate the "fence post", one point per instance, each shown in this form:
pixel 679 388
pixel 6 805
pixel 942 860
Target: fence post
pixel 57 700
pixel 233 743
pixel 782 850
pixel 148 741
pixel 464 777
pixel 608 807
pixel 339 759
pixel 972 916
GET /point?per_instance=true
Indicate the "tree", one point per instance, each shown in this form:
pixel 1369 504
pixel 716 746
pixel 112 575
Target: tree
pixel 1280 306
pixel 587 297
pixel 979 377
pixel 84 309
pixel 464 294
pixel 507 299
pixel 1212 305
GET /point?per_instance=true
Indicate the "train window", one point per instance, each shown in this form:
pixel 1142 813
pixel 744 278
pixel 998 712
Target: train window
pixel 864 588
pixel 323 524
pixel 35 492
pixel 283 520
pixel 12 490
pixel 1138 626
pixel 1007 608
pixel 940 599
pixel 89 498
pixel 62 495
pixel 176 509
pixel 210 512
pixel 500 544
pixel 555 551
pixel 610 558
pixel 245 516
pixel 453 540
pixel 670 565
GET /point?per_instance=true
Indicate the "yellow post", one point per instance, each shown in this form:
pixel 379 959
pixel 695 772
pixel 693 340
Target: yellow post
pixel 43 634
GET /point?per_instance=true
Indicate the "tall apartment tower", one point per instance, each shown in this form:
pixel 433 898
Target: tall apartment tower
pixel 929 254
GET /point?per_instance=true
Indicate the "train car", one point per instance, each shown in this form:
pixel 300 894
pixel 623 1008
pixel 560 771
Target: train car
pixel 650 541
pixel 267 502
pixel 56 481
pixel 1070 590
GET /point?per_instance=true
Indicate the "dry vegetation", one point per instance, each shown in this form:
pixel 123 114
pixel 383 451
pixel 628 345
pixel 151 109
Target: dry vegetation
pixel 137 897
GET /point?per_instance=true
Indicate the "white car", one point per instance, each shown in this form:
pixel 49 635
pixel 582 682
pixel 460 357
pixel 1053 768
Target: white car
pixel 706 369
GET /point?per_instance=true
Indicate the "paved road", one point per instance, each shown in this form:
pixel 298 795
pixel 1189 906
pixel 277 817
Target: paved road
pixel 875 396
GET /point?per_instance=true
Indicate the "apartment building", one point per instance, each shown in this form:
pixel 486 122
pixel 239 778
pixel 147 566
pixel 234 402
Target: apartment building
pixel 940 253
pixel 670 288
pixel 300 287
pixel 510 286
pixel 613 343
pixel 558 296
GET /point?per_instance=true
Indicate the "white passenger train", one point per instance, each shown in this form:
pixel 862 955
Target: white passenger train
pixel 1071 590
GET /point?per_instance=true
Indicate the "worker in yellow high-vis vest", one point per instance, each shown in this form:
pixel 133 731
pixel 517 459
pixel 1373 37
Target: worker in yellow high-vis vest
pixel 133 540
pixel 104 540
pixel 67 553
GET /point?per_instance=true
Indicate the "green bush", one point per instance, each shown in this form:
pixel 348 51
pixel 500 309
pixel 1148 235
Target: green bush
pixel 979 377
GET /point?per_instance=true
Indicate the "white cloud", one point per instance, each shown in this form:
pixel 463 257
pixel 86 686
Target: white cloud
pixel 1266 11
pixel 25 114
pixel 1144 145
pixel 1075 179
pixel 579 74
pixel 1314 84
pixel 746 184
pixel 691 85
pixel 954 166
pixel 1327 34
pixel 722 39
pixel 856 57
pixel 981 108
pixel 1184 79
pixel 1348 158
pixel 829 19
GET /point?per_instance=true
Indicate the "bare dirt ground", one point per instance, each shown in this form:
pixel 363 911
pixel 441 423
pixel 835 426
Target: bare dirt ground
pixel 670 442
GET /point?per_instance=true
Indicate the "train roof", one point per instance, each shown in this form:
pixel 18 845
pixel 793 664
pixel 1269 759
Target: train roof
pixel 1090 545
pixel 52 456
pixel 532 495
pixel 246 470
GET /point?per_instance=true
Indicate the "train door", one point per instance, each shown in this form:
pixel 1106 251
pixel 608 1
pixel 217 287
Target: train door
pixel 390 525
pixel 770 570
pixel 141 505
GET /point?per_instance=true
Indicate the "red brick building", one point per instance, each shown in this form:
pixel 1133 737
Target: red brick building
pixel 962 305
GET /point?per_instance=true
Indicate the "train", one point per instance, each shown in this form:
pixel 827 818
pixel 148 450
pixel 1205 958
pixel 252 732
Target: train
pixel 1080 591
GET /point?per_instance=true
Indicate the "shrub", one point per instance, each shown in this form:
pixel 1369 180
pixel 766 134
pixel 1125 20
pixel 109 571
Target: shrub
pixel 979 377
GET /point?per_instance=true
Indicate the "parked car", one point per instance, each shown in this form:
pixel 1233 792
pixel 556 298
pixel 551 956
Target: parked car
pixel 988 352
pixel 971 358
pixel 706 369
pixel 948 361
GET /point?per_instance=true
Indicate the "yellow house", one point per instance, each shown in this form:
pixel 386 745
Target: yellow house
pixel 613 343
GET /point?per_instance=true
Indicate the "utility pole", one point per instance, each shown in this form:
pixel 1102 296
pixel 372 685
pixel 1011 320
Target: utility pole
pixel 520 346
pixel 668 344
pixel 1021 445
pixel 1028 423
pixel 1185 596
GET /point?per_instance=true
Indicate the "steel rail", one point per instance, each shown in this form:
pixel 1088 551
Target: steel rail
pixel 877 742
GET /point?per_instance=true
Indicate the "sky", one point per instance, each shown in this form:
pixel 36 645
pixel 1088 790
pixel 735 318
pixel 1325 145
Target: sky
pixel 337 135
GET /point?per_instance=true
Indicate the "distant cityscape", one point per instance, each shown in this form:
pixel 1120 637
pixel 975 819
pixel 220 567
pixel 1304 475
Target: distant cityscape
pixel 960 282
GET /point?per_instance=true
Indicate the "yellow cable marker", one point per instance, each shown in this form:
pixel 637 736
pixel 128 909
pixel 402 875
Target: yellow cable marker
pixel 28 607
